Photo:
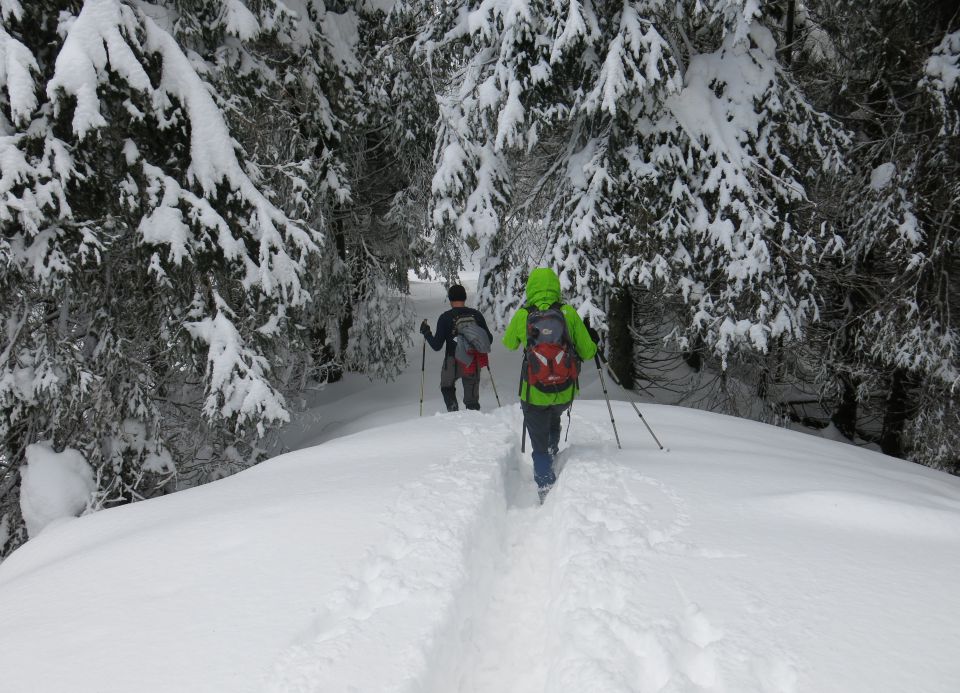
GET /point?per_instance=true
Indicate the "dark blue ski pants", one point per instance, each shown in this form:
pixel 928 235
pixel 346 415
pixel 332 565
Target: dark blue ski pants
pixel 543 425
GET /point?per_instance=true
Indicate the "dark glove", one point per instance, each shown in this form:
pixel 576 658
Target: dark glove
pixel 593 335
pixel 425 329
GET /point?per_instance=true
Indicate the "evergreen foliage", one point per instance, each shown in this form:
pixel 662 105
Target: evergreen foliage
pixel 145 272
pixel 639 143
pixel 794 206
pixel 189 227
pixel 890 353
pixel 205 205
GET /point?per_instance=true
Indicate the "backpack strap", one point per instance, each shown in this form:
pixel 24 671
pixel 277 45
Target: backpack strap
pixel 524 365
pixel 458 315
pixel 530 308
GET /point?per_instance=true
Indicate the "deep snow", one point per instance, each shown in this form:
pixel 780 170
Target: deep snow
pixel 414 557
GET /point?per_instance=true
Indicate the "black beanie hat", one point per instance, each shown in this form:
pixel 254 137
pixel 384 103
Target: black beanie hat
pixel 456 293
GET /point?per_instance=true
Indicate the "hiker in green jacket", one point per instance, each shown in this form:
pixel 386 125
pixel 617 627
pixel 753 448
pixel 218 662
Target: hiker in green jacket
pixel 555 342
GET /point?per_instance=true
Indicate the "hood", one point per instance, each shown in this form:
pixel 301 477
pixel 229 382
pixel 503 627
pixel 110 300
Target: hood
pixel 543 287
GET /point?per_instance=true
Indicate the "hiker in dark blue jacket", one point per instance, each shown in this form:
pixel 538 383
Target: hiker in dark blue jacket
pixel 453 369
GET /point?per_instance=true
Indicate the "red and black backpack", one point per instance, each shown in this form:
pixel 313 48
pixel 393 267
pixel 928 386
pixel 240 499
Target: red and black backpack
pixel 551 359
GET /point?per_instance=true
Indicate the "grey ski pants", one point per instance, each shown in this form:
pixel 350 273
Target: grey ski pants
pixel 448 380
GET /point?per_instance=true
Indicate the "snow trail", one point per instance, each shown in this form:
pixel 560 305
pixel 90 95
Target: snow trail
pixel 563 614
pixel 507 650
pixel 415 558
pixel 425 577
pixel 585 597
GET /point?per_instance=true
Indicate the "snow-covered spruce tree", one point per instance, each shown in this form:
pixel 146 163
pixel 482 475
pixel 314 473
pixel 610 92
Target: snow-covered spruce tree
pixel 638 143
pixel 281 73
pixel 390 143
pixel 144 274
pixel 889 343
pixel 344 135
pixel 288 91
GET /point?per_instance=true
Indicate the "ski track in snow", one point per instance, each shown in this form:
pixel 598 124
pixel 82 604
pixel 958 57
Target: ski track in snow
pixel 512 590
pixel 438 554
pixel 554 623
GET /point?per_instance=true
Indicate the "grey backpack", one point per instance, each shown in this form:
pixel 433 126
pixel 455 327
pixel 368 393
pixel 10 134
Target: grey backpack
pixel 473 344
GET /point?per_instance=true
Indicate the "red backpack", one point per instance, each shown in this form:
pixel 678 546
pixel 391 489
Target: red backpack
pixel 552 363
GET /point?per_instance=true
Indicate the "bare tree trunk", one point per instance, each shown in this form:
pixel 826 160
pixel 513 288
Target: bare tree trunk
pixel 8 481
pixel 786 13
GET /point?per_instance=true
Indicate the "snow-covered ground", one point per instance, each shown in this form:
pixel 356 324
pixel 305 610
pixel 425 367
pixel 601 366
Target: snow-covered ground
pixel 408 553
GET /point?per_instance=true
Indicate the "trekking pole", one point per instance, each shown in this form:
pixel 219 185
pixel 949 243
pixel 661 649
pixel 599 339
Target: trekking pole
pixel 423 370
pixel 523 435
pixel 494 385
pixel 576 391
pixel 632 403
pixel 603 384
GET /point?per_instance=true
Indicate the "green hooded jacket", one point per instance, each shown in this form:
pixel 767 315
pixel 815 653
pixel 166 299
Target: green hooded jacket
pixel 543 290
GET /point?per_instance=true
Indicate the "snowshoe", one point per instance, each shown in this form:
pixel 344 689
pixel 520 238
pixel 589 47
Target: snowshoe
pixel 543 491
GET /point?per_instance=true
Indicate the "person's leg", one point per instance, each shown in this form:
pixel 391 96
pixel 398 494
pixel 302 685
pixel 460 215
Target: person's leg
pixel 471 389
pixel 537 421
pixel 556 426
pixel 448 380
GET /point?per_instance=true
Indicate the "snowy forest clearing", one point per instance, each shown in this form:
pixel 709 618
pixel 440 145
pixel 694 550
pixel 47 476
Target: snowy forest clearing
pixel 414 557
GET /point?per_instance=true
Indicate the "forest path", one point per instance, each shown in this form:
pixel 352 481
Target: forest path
pixel 567 609
pixel 507 645
pixel 581 596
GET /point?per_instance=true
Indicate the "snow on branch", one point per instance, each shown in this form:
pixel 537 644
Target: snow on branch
pixel 943 67
pixel 105 42
pixel 942 79
pixel 635 172
pixel 237 382
pixel 638 61
pixel 18 68
pixel 94 41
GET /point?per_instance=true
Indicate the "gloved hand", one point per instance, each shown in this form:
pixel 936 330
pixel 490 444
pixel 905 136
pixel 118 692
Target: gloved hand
pixel 425 329
pixel 593 335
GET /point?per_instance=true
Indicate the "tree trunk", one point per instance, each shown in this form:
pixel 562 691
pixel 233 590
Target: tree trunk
pixel 693 357
pixel 621 341
pixel 347 321
pixel 895 414
pixel 846 413
pixel 790 33
pixel 844 416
